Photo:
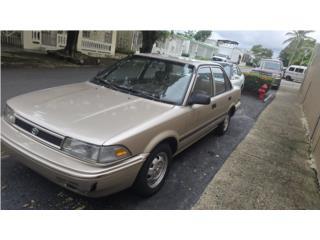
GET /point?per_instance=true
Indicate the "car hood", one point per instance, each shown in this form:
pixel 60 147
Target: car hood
pixel 86 111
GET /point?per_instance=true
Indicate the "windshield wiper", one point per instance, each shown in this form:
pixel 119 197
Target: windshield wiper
pixel 106 83
pixel 130 90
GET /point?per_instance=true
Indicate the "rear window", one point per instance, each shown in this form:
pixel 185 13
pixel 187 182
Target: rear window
pixel 272 65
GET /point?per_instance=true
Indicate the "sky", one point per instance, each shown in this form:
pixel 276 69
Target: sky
pixel 268 39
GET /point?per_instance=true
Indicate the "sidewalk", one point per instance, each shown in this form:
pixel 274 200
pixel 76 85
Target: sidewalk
pixel 16 57
pixel 269 169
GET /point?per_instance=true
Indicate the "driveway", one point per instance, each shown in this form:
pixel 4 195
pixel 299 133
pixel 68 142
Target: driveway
pixel 191 171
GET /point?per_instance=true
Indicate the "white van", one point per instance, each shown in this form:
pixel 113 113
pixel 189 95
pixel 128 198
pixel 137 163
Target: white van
pixel 295 73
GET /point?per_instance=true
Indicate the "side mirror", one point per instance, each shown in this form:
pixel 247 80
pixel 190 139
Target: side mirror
pixel 199 98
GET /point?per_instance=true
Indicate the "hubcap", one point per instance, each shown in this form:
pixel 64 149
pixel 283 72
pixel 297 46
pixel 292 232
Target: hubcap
pixel 226 123
pixel 157 170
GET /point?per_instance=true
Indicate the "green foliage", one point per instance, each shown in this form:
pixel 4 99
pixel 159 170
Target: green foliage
pixel 201 58
pixel 202 35
pixel 300 55
pixel 253 81
pixel 188 34
pixel 260 52
pixel 299 49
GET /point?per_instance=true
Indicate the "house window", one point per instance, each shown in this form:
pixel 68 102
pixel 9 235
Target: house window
pixel 108 37
pixel 86 34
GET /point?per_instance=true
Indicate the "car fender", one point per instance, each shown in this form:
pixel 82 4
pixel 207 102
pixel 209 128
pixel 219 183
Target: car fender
pixel 159 138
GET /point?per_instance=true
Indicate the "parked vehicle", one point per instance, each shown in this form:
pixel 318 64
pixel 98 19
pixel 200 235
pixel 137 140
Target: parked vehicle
pixel 219 59
pixel 284 71
pixel 234 74
pixel 295 73
pixel 121 128
pixel 272 68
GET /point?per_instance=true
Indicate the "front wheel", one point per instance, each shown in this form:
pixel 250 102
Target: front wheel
pixel 224 126
pixel 154 171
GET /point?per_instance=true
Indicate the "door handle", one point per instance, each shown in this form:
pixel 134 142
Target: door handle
pixel 229 98
pixel 213 105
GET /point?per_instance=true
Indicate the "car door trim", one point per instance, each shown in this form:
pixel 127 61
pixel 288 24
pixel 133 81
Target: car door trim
pixel 201 127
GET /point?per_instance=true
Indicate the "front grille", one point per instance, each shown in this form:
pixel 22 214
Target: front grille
pixel 38 132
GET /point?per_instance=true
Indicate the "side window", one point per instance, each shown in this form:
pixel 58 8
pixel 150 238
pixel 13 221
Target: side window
pixel 204 82
pixel 234 70
pixel 299 70
pixel 291 69
pixel 219 80
pixel 239 71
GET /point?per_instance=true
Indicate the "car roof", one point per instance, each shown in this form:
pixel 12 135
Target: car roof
pixel 185 60
pixel 297 66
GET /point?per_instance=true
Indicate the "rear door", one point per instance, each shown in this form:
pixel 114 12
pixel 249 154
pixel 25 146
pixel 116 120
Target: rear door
pixel 299 74
pixel 223 95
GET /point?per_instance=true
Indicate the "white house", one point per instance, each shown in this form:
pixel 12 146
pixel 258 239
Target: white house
pixel 201 50
pixel 178 45
pixel 92 43
pixel 174 46
pixel 229 49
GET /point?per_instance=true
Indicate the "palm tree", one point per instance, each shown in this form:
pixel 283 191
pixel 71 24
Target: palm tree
pixel 297 38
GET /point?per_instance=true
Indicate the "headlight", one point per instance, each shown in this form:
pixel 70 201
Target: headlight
pixel 276 75
pixel 9 114
pixel 90 152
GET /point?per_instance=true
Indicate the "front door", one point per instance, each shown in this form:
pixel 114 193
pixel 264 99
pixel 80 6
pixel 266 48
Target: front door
pixel 201 116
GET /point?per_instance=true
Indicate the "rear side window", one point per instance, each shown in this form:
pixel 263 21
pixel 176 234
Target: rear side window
pixel 291 69
pixel 220 80
pixel 299 70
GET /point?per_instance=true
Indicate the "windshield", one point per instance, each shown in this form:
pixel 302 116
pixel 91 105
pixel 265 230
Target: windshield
pixel 271 65
pixel 155 79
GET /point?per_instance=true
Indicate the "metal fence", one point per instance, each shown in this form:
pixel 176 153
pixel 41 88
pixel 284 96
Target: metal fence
pixel 12 38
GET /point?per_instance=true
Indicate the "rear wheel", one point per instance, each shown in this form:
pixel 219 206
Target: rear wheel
pixel 224 126
pixel 154 171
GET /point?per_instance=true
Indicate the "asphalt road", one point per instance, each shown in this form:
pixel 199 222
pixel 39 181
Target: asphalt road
pixel 192 170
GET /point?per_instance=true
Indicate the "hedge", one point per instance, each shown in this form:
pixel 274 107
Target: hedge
pixel 253 81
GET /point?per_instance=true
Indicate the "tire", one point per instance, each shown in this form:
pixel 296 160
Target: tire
pixel 146 184
pixel 288 78
pixel 224 126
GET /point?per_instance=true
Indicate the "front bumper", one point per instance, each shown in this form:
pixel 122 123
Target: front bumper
pixel 73 174
pixel 276 82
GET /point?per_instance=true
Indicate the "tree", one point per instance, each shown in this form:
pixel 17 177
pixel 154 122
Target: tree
pixel 260 52
pixel 301 56
pixel 71 46
pixel 297 38
pixel 150 37
pixel 202 35
pixel 189 34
